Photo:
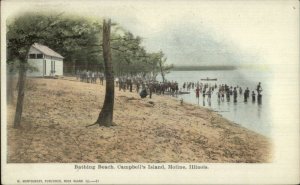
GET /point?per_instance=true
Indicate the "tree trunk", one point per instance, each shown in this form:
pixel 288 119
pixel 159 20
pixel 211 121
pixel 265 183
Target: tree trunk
pixel 21 93
pixel 106 115
pixel 9 85
pixel 161 70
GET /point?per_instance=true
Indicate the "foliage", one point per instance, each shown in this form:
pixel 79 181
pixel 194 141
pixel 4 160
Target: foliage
pixel 68 36
pixel 79 40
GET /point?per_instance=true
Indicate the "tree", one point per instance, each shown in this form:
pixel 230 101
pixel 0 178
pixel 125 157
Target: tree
pixel 63 34
pixel 106 114
pixel 164 68
pixel 79 41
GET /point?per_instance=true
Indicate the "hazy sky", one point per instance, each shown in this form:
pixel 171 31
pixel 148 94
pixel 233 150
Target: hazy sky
pixel 198 32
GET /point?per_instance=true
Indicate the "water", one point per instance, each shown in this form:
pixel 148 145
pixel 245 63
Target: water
pixel 250 115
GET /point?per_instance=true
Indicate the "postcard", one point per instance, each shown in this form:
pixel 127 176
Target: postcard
pixel 149 92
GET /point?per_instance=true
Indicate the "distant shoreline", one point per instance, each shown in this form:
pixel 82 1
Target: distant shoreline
pixel 203 68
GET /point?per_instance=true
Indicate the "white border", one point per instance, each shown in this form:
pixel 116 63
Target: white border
pixel 284 169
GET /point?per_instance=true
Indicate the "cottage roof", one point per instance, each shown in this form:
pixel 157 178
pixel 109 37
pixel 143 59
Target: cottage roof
pixel 47 51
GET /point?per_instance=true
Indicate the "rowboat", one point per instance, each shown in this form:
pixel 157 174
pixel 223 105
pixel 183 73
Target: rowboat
pixel 209 79
pixel 183 92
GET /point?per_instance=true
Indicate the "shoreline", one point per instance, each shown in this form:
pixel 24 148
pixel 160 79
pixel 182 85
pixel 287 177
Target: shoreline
pixel 178 100
pixel 160 131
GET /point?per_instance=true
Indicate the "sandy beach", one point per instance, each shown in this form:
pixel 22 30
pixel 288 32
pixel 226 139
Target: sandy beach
pixel 57 111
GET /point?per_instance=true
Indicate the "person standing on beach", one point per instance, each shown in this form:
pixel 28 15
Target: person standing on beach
pixel 92 77
pixel 137 87
pixel 101 78
pixel 130 84
pixel 87 76
pixel 77 74
pixel 150 90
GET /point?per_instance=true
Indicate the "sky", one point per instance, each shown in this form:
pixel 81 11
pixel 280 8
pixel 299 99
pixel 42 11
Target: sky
pixel 197 32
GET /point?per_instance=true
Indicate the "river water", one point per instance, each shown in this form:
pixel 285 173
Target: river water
pixel 254 116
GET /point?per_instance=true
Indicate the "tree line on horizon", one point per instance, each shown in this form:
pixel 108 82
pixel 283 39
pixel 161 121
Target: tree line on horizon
pixel 202 68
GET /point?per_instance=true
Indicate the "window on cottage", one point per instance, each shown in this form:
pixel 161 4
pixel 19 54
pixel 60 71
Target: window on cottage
pixel 32 55
pixel 39 56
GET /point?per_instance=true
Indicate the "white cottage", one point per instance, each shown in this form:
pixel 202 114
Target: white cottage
pixel 47 61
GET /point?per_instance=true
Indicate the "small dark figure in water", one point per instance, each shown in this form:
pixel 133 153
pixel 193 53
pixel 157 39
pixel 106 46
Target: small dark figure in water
pixel 246 94
pixel 259 98
pixel 208 95
pixel 228 95
pixel 222 95
pixel 124 86
pixel 258 88
pixel 176 88
pixel 253 96
pixel 235 95
pixel 197 92
pixel 241 90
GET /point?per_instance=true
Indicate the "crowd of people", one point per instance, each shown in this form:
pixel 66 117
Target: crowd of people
pixel 223 91
pixel 89 76
pixel 135 83
pixel 145 87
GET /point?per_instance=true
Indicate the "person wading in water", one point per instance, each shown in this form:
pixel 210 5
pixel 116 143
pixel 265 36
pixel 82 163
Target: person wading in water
pixel 197 93
pixel 259 90
pixel 235 95
pixel 253 96
pixel 246 94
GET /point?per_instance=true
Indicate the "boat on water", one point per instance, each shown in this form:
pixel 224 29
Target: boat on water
pixel 184 92
pixel 179 93
pixel 209 79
